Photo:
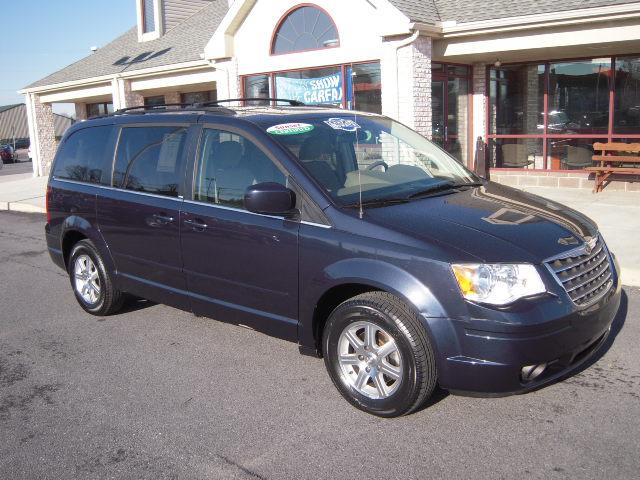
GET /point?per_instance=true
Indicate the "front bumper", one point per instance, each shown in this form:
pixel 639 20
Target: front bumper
pixel 484 357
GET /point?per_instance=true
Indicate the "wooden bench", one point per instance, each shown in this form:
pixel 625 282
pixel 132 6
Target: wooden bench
pixel 610 162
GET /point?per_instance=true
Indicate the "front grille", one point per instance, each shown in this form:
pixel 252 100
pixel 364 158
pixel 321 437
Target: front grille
pixel 586 277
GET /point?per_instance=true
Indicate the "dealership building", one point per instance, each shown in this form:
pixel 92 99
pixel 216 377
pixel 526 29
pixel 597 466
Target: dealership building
pixel 537 82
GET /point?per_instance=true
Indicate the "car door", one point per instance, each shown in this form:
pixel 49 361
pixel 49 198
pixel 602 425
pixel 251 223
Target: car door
pixel 140 216
pixel 240 267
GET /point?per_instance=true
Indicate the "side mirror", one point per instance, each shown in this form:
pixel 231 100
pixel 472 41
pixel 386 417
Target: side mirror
pixel 269 198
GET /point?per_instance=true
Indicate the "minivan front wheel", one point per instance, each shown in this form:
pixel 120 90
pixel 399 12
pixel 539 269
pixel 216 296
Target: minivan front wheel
pixel 378 355
pixel 91 283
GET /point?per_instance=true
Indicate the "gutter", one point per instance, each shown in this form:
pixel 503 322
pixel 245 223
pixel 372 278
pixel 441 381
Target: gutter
pixel 451 29
pixel 146 72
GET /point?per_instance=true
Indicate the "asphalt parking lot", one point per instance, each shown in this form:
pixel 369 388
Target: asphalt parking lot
pixel 157 393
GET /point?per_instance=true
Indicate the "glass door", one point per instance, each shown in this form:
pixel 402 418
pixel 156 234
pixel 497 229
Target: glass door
pixel 450 109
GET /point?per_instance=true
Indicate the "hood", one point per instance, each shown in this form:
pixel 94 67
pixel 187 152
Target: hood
pixel 492 223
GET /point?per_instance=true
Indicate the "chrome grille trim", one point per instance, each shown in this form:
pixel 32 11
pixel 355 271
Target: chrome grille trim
pixel 586 277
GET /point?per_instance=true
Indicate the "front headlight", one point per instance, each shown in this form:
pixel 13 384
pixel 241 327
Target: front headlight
pixel 498 283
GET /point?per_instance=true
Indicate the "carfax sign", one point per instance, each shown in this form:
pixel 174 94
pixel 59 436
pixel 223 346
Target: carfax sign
pixel 312 91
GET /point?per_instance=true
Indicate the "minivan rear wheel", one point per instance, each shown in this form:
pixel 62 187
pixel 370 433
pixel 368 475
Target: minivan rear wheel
pixel 91 283
pixel 378 355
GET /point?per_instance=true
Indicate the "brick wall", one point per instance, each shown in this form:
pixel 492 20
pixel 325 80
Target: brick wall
pixel 44 122
pixel 406 82
pixel 172 97
pixel 575 179
pixel 81 111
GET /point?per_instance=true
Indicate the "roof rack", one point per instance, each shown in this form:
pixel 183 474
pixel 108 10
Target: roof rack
pixel 142 109
pixel 292 103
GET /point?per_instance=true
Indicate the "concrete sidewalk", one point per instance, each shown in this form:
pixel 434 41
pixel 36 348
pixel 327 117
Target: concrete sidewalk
pixel 22 193
pixel 616 213
pixel 618 217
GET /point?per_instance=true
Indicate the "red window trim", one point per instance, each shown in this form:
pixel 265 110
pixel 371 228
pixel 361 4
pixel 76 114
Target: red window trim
pixel 272 76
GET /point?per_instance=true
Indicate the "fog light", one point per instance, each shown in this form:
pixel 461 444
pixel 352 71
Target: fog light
pixel 531 372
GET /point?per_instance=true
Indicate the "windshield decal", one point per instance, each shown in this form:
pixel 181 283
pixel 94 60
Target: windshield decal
pixel 342 124
pixel 290 129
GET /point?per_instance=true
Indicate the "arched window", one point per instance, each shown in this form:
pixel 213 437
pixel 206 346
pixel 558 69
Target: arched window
pixel 305 28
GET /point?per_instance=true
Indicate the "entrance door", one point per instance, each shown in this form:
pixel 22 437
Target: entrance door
pixel 450 109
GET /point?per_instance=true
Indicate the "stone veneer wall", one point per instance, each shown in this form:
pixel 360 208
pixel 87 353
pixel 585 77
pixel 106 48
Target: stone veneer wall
pixel 575 179
pixel 81 111
pixel 47 144
pixel 172 97
pixel 406 82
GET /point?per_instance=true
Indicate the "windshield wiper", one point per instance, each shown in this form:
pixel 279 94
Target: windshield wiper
pixel 378 202
pixel 439 187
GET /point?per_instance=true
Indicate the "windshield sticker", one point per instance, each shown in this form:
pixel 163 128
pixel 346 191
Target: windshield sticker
pixel 342 124
pixel 290 129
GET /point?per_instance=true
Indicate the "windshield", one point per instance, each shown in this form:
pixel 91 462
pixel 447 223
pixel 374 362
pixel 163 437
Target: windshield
pixel 382 158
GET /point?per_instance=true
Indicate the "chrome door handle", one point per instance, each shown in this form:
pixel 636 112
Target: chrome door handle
pixel 195 225
pixel 162 219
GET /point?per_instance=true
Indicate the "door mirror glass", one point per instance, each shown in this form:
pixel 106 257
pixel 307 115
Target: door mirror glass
pixel 269 198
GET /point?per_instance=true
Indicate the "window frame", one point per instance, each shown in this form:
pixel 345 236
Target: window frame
pixel 271 76
pixel 194 164
pixel 107 171
pixel 186 156
pixel 285 16
pixel 610 135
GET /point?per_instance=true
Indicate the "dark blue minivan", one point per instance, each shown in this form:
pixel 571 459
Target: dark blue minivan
pixel 345 232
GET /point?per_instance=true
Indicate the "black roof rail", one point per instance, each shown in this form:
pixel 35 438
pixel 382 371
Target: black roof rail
pixel 292 103
pixel 142 109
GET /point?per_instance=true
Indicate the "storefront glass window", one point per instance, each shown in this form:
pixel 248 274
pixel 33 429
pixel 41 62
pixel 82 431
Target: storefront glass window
pixel 366 92
pixel 154 101
pixel 322 86
pixel 257 86
pixel 356 87
pixel 627 99
pixel 305 28
pixel 99 109
pixel 571 153
pixel 517 99
pixel 516 153
pixel 198 97
pixel 578 113
pixel 579 91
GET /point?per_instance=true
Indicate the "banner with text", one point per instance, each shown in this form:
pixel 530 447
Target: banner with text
pixel 312 91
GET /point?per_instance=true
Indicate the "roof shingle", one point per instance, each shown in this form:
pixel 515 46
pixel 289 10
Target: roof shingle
pixel 463 11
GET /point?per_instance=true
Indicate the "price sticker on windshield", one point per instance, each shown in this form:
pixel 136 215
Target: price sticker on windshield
pixel 342 124
pixel 290 129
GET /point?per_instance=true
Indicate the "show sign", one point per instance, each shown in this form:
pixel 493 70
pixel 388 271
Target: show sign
pixel 311 91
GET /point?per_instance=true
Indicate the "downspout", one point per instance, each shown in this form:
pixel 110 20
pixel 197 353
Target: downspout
pixel 406 42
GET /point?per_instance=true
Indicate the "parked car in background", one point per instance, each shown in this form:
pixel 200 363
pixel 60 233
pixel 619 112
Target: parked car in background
pixel 7 153
pixel 345 232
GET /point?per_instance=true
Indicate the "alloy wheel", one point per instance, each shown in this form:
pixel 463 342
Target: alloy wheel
pixel 370 360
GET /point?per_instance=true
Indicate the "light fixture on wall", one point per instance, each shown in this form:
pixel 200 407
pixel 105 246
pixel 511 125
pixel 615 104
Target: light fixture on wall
pixel 497 63
pixel 94 49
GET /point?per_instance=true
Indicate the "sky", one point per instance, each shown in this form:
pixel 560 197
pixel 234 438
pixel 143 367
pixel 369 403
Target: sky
pixel 39 37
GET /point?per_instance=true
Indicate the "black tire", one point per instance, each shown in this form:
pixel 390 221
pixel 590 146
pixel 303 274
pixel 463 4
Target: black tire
pixel 419 374
pixel 110 299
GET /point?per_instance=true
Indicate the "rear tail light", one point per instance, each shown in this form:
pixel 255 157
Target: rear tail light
pixel 47 202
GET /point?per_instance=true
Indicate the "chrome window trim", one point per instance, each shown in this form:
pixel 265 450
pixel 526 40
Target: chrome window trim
pixel 180 199
pixel 106 187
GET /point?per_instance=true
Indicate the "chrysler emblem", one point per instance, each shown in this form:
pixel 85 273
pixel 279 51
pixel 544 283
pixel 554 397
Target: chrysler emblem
pixel 589 244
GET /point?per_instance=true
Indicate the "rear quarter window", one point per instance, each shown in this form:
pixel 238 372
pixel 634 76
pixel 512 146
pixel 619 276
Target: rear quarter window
pixel 86 155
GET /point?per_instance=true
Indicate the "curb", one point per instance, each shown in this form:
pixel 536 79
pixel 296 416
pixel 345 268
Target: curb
pixel 21 207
